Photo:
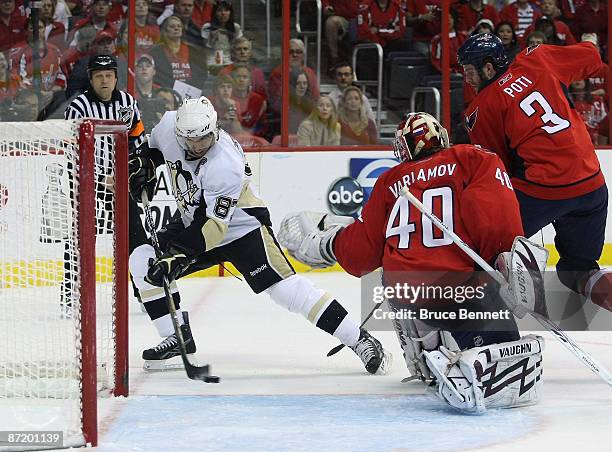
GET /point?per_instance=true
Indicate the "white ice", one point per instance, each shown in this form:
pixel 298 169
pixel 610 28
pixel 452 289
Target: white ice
pixel 279 391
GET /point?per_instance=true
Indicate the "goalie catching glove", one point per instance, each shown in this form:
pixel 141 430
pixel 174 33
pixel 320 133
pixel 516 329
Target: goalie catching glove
pixel 309 236
pixel 141 176
pixel 170 264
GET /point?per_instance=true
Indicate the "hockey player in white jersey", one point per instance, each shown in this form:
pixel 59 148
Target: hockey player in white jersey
pixel 221 219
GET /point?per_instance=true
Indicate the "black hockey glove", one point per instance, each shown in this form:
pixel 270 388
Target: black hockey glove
pixel 168 264
pixel 141 177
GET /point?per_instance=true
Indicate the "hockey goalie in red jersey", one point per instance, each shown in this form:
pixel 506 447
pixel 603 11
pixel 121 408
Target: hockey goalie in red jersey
pixel 469 189
pixel 523 112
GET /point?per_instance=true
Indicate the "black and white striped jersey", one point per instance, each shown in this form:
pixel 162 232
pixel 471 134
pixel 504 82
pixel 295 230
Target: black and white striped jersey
pixel 122 107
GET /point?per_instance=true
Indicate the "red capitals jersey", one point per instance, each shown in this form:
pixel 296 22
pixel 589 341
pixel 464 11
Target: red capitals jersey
pixel 525 117
pixel 465 186
pixel 391 23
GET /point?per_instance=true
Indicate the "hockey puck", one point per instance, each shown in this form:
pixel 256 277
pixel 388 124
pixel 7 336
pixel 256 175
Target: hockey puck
pixel 211 379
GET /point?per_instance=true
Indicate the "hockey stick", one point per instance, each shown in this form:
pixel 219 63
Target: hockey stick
pixel 568 342
pixel 337 348
pixel 193 372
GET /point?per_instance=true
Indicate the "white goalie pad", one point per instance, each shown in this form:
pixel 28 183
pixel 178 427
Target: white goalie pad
pixel 523 268
pixel 307 236
pixel 495 376
pixel 416 337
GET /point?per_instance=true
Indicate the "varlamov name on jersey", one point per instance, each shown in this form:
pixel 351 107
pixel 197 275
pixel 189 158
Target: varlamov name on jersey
pixel 424 174
pixel 219 183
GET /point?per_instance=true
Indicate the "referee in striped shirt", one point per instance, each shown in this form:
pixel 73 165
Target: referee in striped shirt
pixel 104 101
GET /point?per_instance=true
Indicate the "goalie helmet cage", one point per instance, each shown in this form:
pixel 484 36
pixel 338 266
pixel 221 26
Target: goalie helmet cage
pixel 63 274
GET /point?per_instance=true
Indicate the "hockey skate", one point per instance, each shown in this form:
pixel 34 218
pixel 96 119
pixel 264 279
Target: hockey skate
pixel 369 349
pixel 167 354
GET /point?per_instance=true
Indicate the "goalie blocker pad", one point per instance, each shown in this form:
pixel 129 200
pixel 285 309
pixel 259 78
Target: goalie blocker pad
pixel 523 268
pixel 502 375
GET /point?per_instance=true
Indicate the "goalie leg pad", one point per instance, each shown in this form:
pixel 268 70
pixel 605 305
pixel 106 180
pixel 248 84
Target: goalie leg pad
pixel 502 375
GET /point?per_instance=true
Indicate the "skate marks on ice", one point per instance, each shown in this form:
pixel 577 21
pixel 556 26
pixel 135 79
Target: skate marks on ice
pixel 307 423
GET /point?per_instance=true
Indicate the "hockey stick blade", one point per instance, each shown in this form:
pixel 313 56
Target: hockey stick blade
pixel 551 326
pixel 201 373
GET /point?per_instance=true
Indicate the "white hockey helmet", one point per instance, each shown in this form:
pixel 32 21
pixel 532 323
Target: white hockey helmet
pixel 196 126
pixel 418 133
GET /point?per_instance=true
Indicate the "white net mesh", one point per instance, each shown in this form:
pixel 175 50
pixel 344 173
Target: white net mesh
pixel 40 343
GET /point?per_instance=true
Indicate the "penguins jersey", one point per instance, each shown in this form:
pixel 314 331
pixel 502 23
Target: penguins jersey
pixel 214 195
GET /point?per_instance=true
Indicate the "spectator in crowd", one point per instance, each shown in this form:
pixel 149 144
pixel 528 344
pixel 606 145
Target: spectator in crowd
pixel 473 11
pixel 591 108
pixel 242 48
pixel 336 16
pixel 251 105
pixel 547 26
pixel 424 18
pixel 220 32
pixel 592 17
pixel 321 128
pixel 12 25
pixel 103 44
pixel 456 38
pixel 147 30
pixel 174 59
pixel 171 98
pixel 161 9
pixel 355 126
pixel 521 15
pixel 535 38
pixel 9 82
pixel 345 78
pixel 564 35
pixel 296 61
pixel 99 19
pixel 202 12
pixel 25 107
pixel 228 115
pixel 191 32
pixel 383 22
pixel 599 81
pixel 145 73
pixel 603 134
pixel 84 38
pixel 301 101
pixel 505 31
pixel 55 32
pixel 52 80
pixel 483 26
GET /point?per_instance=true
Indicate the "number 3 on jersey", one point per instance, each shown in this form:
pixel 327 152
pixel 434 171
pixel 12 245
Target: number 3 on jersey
pixel 399 219
pixel 553 123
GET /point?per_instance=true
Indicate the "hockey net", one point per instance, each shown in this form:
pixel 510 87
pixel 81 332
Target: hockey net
pixel 63 274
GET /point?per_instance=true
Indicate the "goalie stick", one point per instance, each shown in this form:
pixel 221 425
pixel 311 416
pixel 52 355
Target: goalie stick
pixel 193 372
pixel 568 342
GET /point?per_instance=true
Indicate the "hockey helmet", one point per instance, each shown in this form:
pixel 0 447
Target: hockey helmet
pixel 101 62
pixel 483 48
pixel 196 126
pixel 419 134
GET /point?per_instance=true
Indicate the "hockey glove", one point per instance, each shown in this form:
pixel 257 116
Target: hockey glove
pixel 169 265
pixel 141 177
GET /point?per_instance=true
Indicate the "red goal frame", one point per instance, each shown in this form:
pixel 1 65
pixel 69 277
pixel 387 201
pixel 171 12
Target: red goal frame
pixel 88 130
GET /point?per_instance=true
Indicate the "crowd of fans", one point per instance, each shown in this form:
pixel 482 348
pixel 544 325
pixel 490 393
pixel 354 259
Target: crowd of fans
pixel 198 44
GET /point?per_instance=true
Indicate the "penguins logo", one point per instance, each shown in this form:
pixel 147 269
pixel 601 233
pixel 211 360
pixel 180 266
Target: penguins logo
pixel 182 186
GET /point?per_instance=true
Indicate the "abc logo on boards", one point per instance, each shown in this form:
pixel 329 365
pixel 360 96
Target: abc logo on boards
pixel 345 196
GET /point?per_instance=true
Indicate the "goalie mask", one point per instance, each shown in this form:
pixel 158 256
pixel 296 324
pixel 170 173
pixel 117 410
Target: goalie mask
pixel 418 135
pixel 196 127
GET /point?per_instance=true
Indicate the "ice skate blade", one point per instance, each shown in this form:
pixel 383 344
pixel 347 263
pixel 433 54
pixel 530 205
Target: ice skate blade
pixel 163 365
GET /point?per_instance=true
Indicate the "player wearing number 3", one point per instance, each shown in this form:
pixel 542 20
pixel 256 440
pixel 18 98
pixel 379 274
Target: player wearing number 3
pixel 523 113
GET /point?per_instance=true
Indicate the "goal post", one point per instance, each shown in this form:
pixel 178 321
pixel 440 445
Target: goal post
pixel 63 274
